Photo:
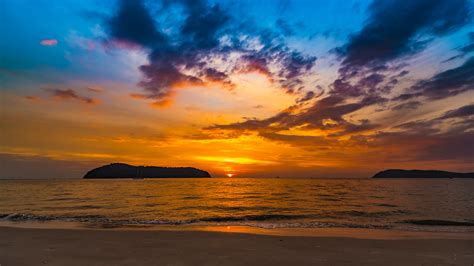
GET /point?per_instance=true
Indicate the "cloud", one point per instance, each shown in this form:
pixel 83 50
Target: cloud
pixel 49 42
pixel 470 46
pixel 326 115
pixel 371 66
pixel 205 45
pixel 408 105
pixel 300 140
pixel 445 84
pixel 133 23
pixel 196 43
pixel 464 111
pixel 32 98
pixel 95 89
pixel 69 94
pixel 392 33
pixel 394 30
pixel 465 50
pixel 308 96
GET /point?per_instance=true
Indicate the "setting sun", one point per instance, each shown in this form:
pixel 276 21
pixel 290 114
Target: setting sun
pixel 230 175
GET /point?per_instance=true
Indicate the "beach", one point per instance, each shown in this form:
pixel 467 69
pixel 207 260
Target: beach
pixel 81 246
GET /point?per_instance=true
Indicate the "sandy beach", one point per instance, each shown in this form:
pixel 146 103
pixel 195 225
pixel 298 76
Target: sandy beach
pixel 40 246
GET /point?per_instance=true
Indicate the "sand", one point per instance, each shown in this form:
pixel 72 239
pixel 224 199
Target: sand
pixel 40 246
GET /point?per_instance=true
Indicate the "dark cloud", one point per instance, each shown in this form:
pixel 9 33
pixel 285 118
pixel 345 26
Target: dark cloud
pixel 394 30
pixel 351 128
pixel 203 24
pixel 298 140
pixel 31 98
pixel 202 34
pixel 214 75
pixel 255 63
pixel 326 114
pixel 407 96
pixel 208 45
pixel 371 67
pixel 464 111
pixel 447 83
pixel 133 23
pixel 69 94
pixel 294 65
pixel 408 105
pixel 365 86
pixel 308 96
pixel 426 127
pixel 168 59
pixel 465 50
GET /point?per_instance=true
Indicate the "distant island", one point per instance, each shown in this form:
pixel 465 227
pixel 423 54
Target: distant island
pixel 399 173
pixel 121 170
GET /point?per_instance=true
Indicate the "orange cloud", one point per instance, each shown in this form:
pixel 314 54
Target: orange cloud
pixel 49 42
pixel 69 94
pixel 31 98
pixel 96 89
pixel 162 103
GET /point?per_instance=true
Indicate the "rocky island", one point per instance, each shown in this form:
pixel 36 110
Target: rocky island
pixel 121 170
pixel 399 173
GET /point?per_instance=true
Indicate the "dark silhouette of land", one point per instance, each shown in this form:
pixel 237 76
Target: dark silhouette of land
pixel 121 170
pixel 399 173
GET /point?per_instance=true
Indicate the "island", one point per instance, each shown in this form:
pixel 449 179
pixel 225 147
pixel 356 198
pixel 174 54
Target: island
pixel 400 173
pixel 122 170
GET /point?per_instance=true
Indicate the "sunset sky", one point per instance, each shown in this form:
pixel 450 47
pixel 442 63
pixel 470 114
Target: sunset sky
pixel 251 88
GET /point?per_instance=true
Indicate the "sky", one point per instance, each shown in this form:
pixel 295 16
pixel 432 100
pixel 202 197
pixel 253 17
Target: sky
pixel 250 88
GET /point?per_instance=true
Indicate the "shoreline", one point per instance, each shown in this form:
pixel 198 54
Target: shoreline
pixel 339 232
pixel 28 246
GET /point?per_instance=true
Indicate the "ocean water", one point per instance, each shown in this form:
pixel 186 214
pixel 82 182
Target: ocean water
pixel 407 204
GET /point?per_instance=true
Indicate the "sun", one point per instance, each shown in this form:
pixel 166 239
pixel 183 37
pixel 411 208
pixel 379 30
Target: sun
pixel 229 175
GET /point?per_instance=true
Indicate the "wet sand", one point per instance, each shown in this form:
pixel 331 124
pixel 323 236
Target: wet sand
pixel 46 246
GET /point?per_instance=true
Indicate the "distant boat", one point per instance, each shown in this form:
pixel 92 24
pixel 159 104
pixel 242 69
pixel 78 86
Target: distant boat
pixel 138 176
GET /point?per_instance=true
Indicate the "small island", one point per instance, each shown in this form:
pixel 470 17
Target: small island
pixel 400 173
pixel 121 170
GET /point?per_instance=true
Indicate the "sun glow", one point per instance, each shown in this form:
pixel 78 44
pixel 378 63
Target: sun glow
pixel 230 175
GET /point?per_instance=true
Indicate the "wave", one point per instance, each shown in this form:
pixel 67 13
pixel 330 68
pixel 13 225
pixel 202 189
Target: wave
pixel 262 221
pixel 439 222
pixel 385 205
pixel 267 221
pixel 63 199
pixel 264 217
pixel 375 214
pixel 21 217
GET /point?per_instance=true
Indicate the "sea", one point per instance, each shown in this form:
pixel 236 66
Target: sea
pixel 391 204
